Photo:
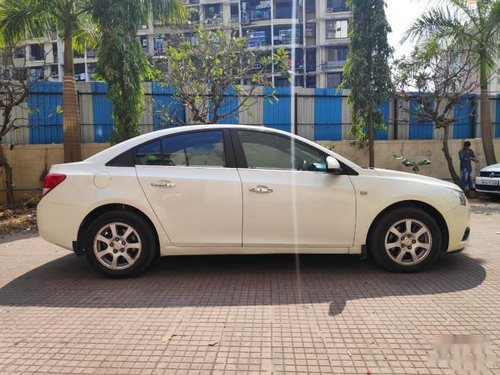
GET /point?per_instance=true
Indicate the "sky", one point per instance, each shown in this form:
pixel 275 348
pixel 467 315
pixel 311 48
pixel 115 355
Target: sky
pixel 400 14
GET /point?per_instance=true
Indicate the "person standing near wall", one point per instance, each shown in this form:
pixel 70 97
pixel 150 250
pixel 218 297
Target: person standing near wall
pixel 467 156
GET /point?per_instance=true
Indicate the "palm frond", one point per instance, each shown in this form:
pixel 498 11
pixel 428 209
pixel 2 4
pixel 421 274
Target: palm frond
pixel 437 23
pixel 26 18
pixel 86 34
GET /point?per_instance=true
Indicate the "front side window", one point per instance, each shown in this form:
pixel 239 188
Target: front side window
pixel 199 149
pixel 270 151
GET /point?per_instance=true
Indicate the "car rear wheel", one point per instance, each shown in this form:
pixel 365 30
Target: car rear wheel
pixel 120 243
pixel 405 240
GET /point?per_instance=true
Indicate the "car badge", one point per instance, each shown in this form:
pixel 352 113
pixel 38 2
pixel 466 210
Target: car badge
pixel 492 174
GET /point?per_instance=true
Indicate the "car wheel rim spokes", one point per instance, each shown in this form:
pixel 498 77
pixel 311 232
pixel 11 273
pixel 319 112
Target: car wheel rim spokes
pixel 408 242
pixel 117 246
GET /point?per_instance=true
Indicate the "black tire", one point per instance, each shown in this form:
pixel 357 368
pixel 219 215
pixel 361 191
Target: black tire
pixel 131 250
pixel 405 252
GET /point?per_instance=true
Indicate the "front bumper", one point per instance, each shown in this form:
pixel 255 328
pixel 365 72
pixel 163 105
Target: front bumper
pixel 458 221
pixel 489 185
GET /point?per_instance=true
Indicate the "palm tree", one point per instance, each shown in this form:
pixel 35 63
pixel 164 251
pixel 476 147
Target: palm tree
pixel 72 18
pixel 24 18
pixel 469 24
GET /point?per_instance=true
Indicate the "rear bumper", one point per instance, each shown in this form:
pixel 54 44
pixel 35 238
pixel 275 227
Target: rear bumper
pixel 55 225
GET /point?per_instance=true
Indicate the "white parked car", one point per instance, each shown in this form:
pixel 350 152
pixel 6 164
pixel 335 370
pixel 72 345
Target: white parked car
pixel 231 189
pixel 488 181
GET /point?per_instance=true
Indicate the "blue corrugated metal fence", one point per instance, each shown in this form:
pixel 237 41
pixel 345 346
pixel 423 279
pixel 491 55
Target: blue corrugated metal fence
pixel 322 110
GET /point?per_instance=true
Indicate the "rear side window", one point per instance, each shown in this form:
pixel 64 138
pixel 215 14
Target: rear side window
pixel 196 149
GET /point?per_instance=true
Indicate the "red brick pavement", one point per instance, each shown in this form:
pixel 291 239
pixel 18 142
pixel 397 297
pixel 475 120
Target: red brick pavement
pixel 260 314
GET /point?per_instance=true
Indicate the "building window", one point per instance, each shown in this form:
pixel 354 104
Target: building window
pixel 91 70
pixel 36 52
pixel 255 10
pixel 20 53
pixel 336 29
pixel 311 60
pixel 333 80
pixel 336 56
pixel 336 6
pixel 37 74
pixel 311 7
pixel 311 30
pixel 5 73
pixel 194 14
pixel 283 35
pixel 258 37
pixel 235 17
pixel 284 9
pixel 144 43
pixel 159 51
pixel 54 71
pixel 311 81
pixel 213 13
pixel 80 72
pixel 54 52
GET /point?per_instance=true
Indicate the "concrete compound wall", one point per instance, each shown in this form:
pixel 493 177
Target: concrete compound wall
pixel 30 161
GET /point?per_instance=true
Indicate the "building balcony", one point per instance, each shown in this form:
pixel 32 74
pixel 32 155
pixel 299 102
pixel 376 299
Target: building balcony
pixel 332 65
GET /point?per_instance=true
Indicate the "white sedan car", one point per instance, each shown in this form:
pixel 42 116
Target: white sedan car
pixel 231 189
pixel 488 181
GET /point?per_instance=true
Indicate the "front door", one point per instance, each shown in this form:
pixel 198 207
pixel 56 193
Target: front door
pixel 288 197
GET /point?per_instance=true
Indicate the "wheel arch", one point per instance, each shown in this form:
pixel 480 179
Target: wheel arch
pixel 91 216
pixel 415 204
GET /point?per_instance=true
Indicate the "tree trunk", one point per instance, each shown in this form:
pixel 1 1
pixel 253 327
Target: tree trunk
pixel 371 139
pixel 71 113
pixel 446 151
pixel 486 131
pixel 9 188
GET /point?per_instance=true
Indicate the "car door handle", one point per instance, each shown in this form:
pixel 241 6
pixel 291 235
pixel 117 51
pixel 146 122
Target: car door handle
pixel 261 189
pixel 163 184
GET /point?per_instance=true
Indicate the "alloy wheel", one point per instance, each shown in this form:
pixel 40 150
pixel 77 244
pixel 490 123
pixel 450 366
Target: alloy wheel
pixel 408 242
pixel 117 246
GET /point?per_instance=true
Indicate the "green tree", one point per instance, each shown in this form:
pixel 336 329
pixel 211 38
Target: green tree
pixel 467 24
pixel 122 62
pixel 367 71
pixel 15 86
pixel 439 78
pixel 26 18
pixel 208 73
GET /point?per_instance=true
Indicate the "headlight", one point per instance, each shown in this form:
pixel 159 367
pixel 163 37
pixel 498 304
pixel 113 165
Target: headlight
pixel 461 196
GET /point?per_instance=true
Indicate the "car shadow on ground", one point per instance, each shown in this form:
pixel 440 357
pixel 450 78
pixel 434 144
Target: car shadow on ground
pixel 235 281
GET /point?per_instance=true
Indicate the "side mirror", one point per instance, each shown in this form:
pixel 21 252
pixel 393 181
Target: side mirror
pixel 333 165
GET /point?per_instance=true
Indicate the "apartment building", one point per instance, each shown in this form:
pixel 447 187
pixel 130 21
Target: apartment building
pixel 314 32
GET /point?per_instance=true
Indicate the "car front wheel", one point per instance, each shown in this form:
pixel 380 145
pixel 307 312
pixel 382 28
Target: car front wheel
pixel 405 240
pixel 120 243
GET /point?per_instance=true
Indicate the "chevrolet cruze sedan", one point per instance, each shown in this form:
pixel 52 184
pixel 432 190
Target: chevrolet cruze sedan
pixel 231 189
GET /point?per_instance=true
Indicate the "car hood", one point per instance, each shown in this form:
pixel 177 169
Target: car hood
pixel 413 176
pixel 491 168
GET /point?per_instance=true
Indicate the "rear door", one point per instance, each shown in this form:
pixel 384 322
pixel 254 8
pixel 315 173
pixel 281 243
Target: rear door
pixel 193 188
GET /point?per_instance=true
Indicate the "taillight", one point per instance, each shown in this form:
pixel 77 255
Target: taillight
pixel 51 181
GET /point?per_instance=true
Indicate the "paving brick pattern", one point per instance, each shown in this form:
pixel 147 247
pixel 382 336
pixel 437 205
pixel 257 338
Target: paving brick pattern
pixel 260 314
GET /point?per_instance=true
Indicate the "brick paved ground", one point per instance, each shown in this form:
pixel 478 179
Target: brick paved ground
pixel 262 314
